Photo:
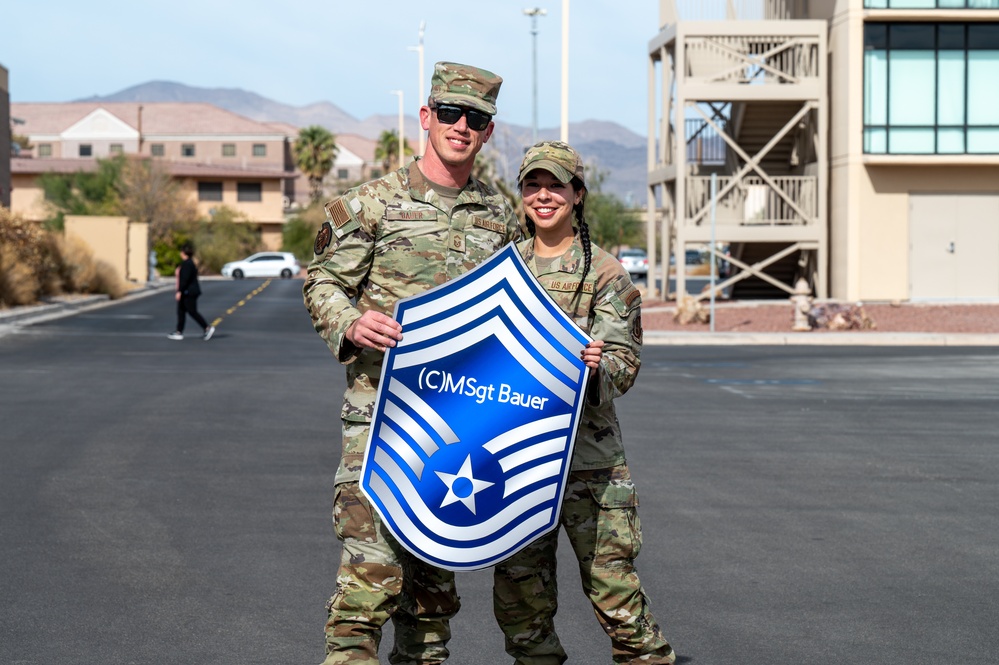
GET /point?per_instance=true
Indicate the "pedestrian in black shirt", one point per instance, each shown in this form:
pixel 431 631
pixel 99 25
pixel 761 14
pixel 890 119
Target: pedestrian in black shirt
pixel 187 294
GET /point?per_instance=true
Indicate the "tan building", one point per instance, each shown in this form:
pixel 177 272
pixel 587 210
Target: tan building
pixel 5 148
pixel 853 143
pixel 220 158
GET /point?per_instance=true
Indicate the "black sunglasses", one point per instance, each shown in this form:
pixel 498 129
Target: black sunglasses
pixel 449 114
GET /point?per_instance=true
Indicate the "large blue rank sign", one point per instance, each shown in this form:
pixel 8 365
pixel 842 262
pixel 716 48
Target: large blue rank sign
pixel 476 416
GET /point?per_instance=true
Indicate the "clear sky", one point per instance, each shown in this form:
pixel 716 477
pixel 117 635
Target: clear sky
pixel 351 53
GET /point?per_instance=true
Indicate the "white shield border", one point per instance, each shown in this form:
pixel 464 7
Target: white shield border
pixel 402 307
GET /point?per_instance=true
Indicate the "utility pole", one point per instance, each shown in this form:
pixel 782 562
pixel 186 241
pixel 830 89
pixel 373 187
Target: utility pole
pixel 565 71
pixel 423 99
pixel 402 141
pixel 534 14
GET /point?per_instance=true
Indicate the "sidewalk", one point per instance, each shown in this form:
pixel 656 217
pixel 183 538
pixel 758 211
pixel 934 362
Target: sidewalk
pixel 770 322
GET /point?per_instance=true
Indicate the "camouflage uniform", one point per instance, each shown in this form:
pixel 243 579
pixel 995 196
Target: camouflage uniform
pixel 383 241
pixel 599 510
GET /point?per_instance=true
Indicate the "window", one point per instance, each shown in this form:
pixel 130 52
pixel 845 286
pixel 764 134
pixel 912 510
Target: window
pixel 249 191
pixel 259 150
pixel 342 174
pixel 156 149
pixel 929 88
pixel 86 150
pixel 228 149
pixel 116 149
pixel 187 150
pixel 44 149
pixel 209 191
pixel 931 4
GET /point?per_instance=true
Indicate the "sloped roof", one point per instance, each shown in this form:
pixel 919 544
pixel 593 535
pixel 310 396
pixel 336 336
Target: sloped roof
pixel 360 146
pixel 165 118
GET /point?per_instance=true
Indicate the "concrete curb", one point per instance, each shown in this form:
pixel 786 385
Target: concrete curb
pixel 26 316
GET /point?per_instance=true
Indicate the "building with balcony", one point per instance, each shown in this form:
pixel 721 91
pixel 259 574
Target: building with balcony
pixel 850 143
pixel 220 158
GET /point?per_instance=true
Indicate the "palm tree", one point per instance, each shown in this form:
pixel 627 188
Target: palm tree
pixel 387 150
pixel 315 150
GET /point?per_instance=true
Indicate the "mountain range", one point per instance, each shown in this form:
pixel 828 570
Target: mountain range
pixel 612 149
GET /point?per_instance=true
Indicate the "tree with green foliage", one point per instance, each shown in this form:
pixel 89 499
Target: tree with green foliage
pixel 610 221
pixel 315 150
pixel 387 150
pixel 83 192
pixel 140 189
pixel 299 234
pixel 228 236
pixel 147 193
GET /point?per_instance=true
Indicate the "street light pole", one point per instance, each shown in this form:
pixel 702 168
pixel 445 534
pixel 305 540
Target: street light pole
pixel 402 141
pixel 422 98
pixel 565 71
pixel 534 14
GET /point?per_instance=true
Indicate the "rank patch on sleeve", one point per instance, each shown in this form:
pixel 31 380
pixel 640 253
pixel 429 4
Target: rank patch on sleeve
pixel 337 212
pixel 630 297
pixel 323 238
pixel 636 329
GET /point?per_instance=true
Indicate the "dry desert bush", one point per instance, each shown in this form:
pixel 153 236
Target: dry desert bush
pixel 35 263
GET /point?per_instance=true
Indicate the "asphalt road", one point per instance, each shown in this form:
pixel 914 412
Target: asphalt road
pixel 168 502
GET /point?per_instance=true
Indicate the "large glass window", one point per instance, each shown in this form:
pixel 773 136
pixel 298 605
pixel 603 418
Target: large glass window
pixel 930 88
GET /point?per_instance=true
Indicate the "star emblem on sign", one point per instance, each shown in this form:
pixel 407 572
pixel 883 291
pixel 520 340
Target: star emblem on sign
pixel 462 486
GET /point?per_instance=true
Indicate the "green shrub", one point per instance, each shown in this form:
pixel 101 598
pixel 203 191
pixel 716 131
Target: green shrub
pixel 300 233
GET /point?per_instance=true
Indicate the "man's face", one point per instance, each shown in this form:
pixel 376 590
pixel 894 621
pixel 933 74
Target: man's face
pixel 455 144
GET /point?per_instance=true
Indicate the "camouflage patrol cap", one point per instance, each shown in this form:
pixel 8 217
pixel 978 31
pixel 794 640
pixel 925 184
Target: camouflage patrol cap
pixel 557 158
pixel 465 85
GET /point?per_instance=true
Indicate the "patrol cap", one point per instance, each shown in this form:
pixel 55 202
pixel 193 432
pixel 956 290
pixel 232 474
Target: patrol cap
pixel 464 85
pixel 556 157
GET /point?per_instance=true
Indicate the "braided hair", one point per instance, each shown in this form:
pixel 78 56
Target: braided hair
pixel 584 236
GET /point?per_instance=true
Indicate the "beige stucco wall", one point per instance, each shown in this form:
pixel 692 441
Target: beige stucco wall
pixel 269 210
pixel 846 104
pixel 869 195
pixel 27 199
pixel 138 252
pixel 883 193
pixel 123 245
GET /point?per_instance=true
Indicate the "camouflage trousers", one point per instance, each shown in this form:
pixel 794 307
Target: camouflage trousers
pixel 378 579
pixel 600 518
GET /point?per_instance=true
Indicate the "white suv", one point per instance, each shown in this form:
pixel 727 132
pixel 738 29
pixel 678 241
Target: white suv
pixel 263 264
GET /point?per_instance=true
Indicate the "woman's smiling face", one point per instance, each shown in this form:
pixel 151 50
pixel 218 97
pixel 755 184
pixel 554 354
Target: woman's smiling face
pixel 548 201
